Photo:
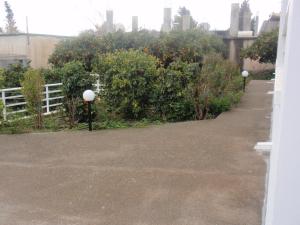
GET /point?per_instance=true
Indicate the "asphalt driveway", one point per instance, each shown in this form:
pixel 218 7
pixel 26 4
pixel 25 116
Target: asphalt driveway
pixel 190 173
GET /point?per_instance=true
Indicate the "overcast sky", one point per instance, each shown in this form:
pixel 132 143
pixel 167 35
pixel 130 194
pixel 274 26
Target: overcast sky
pixel 69 17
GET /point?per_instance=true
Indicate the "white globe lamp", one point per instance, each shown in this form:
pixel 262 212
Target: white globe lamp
pixel 89 97
pixel 245 74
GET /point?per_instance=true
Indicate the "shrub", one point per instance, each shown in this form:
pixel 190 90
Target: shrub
pixel 219 105
pixel 52 76
pixel 262 75
pixel 83 48
pixel 219 80
pixel 128 78
pixel 2 77
pixel 264 49
pixel 13 75
pixel 1 111
pixel 32 89
pixel 187 46
pixel 75 81
pixel 172 94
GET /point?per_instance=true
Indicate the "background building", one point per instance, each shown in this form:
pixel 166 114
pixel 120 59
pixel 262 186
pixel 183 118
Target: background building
pixel 135 23
pixel 243 32
pixel 167 23
pixel 33 48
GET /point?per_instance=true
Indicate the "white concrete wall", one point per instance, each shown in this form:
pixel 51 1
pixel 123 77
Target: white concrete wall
pixel 283 202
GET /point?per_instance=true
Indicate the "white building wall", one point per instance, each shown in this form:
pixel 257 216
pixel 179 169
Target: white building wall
pixel 283 202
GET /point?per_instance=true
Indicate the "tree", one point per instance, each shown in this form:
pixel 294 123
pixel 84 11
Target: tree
pixel 11 27
pixel 178 19
pixel 32 89
pixel 188 46
pixel 75 81
pixel 264 48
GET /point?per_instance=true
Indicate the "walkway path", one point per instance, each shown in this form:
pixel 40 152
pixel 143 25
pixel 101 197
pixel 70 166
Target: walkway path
pixel 191 173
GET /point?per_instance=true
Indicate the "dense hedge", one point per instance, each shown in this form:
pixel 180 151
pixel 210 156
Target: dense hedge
pixel 136 87
pixel 128 78
pixel 147 76
pixel 189 46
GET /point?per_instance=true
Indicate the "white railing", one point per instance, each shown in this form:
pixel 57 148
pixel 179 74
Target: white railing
pixel 14 102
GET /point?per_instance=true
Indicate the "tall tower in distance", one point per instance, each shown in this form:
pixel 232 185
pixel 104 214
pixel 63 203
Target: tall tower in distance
pixel 234 21
pixel 109 21
pixel 245 17
pixel 135 24
pixel 167 23
pixel 186 22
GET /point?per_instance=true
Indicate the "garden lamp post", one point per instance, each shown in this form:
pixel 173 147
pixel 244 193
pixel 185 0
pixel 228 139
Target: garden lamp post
pixel 89 97
pixel 245 74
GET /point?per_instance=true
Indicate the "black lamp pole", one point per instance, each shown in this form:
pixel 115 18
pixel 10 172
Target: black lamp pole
pixel 90 115
pixel 244 86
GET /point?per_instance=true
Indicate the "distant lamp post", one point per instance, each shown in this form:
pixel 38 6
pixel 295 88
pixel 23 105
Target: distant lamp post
pixel 245 74
pixel 89 97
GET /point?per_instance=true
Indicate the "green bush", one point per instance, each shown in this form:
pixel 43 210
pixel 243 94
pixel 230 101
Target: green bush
pixel 187 46
pixel 75 81
pixel 52 76
pixel 13 75
pixel 219 105
pixel 32 89
pixel 83 48
pixel 217 87
pixel 2 70
pixel 263 75
pixel 172 92
pixel 1 111
pixel 128 78
pixel 264 49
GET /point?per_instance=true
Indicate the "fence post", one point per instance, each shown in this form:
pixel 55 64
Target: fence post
pixel 4 105
pixel 47 99
pixel 98 86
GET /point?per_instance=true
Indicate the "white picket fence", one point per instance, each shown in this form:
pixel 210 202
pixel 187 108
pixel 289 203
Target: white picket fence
pixel 14 102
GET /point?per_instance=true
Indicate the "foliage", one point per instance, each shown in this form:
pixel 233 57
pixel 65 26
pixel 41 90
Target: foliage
pixel 11 27
pixel 178 19
pixel 32 89
pixel 128 77
pixel 1 111
pixel 16 125
pixel 264 48
pixel 219 84
pixel 83 49
pixel 189 46
pixel 52 76
pixel 75 81
pixel 172 92
pixel 13 75
pixel 263 75
pixel 2 77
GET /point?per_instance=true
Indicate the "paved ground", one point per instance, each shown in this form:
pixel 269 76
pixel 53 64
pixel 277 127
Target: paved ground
pixel 191 173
